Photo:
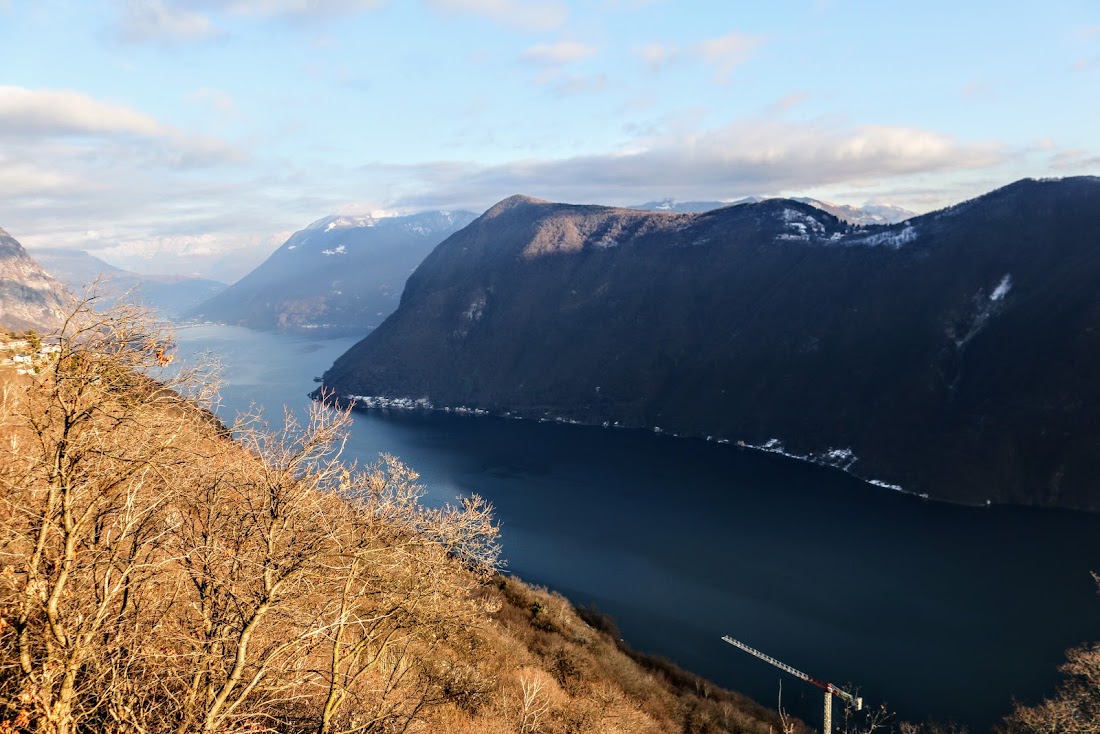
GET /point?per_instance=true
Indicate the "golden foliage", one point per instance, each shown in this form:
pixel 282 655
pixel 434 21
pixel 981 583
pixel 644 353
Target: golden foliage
pixel 160 572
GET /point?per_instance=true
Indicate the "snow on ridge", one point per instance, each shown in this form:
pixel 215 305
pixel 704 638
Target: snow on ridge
pixel 338 221
pixel 348 222
pixel 340 250
pixel 1002 288
pixel 800 226
pixel 893 240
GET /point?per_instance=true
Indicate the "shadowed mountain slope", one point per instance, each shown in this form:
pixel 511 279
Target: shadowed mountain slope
pixel 338 275
pixel 952 355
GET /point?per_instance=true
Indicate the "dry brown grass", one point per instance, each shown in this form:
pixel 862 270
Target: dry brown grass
pixel 157 575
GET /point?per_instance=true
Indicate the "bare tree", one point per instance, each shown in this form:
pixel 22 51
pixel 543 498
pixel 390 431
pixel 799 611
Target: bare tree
pixel 1075 709
pixel 407 587
pixel 159 572
pixel 92 440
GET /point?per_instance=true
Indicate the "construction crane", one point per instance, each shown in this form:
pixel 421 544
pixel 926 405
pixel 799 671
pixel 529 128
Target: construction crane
pixel 829 688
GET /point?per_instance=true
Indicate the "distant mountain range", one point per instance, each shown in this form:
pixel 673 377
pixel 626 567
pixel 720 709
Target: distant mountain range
pixel 952 355
pixel 339 275
pixel 29 297
pixel 170 295
pixel 867 214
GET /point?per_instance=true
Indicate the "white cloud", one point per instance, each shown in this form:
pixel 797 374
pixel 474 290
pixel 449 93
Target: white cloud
pixel 758 156
pixel 27 180
pixel 180 21
pixel 50 112
pixel 70 164
pixel 727 53
pixel 158 20
pixel 528 15
pixel 297 8
pixel 38 116
pixel 556 54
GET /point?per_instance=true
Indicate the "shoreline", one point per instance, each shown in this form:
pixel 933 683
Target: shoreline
pixel 841 459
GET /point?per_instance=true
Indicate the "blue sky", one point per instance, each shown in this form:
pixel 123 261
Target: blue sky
pixel 199 134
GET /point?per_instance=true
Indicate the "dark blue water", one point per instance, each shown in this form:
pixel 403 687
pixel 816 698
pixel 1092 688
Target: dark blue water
pixel 935 610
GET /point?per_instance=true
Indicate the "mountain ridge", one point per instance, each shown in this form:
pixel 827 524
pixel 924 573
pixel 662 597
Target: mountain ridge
pixel 340 274
pixel 29 297
pixel 866 214
pixel 942 355
pixel 168 294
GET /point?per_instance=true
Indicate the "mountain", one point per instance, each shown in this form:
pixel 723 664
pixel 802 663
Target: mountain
pixel 952 355
pixel 691 207
pixel 171 295
pixel 867 214
pixel 338 275
pixel 29 297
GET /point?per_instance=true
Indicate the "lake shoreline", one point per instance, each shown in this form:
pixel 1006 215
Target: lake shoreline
pixel 841 460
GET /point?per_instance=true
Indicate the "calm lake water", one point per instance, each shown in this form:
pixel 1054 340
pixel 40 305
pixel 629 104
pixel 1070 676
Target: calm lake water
pixel 935 610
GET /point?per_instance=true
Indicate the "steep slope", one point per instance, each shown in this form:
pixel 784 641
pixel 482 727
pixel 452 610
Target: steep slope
pixel 171 295
pixel 29 297
pixel 951 356
pixel 339 275
pixel 338 601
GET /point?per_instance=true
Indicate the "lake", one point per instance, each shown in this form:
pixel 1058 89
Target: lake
pixel 934 610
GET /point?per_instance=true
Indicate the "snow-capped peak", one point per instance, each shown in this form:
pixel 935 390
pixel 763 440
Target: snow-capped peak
pixel 340 221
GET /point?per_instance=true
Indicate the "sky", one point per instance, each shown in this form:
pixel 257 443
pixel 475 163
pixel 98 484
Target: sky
pixel 197 135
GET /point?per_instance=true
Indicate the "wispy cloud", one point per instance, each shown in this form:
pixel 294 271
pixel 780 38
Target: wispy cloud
pixel 183 21
pixel 572 84
pixel 656 55
pixel 785 104
pixel 73 163
pixel 528 15
pixel 35 116
pixel 220 102
pixel 40 112
pixel 758 156
pixel 142 21
pixel 1087 64
pixel 552 59
pixel 291 8
pixel 977 90
pixel 727 52
pixel 1076 159
pixel 555 54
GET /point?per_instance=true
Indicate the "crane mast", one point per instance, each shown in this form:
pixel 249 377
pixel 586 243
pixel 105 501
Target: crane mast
pixel 830 689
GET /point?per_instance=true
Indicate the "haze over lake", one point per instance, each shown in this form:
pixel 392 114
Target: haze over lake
pixel 934 610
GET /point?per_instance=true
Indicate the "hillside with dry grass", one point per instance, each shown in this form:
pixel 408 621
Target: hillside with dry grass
pixel 160 571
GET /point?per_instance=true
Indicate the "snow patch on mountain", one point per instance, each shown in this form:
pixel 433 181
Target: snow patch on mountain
pixel 337 221
pixel 892 239
pixel 1002 288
